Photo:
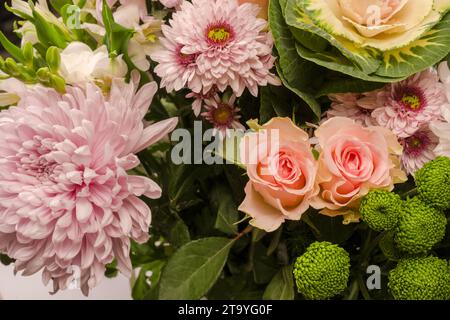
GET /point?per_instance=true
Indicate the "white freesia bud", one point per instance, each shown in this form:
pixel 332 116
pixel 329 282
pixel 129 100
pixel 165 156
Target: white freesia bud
pixel 27 33
pixel 79 65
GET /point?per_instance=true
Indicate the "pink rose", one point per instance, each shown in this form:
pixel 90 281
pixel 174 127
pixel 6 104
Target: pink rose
pixel 264 5
pixel 282 171
pixel 353 160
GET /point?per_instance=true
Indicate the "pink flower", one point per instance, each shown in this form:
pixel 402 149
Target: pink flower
pixel 409 104
pixel 263 4
pixel 418 149
pixel 66 199
pixel 442 130
pixel 358 107
pixel 223 115
pixel 171 3
pixel 216 43
pixel 282 171
pixel 353 160
pixel 200 98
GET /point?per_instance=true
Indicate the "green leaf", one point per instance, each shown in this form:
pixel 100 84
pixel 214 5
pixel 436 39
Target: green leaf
pixel 282 286
pixel 266 109
pixel 274 103
pixel 194 269
pixel 345 85
pixel 48 33
pixel 420 54
pixel 12 49
pixel 236 287
pixel 116 36
pixel 146 284
pixel 179 234
pixel 337 62
pixel 227 213
pixel 111 270
pixel 264 266
pixel 308 98
pixel 330 228
pixel 297 72
pixel 59 4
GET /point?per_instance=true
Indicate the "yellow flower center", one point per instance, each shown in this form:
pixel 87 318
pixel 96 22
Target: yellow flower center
pixel 223 114
pixel 411 100
pixel 415 142
pixel 219 34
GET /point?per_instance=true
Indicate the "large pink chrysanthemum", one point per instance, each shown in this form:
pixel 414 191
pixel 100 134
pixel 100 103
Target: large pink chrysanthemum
pixel 216 43
pixel 66 199
pixel 409 104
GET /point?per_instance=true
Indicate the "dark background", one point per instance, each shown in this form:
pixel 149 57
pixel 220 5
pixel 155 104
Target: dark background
pixel 6 24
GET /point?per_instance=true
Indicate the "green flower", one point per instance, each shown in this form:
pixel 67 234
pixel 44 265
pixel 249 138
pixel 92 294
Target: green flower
pixel 425 278
pixel 419 227
pixel 380 209
pixel 433 183
pixel 322 271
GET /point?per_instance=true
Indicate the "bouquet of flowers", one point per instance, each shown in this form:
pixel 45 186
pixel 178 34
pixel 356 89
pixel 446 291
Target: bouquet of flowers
pixel 228 149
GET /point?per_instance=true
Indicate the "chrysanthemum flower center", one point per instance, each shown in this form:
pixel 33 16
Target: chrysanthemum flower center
pixel 415 144
pixel 411 99
pixel 223 115
pixel 219 34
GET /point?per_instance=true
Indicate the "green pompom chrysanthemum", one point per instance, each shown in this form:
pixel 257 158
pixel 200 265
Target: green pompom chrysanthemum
pixel 419 227
pixel 433 183
pixel 425 278
pixel 380 209
pixel 322 271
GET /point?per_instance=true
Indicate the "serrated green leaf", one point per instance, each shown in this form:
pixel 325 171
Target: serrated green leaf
pixel 282 286
pixel 194 269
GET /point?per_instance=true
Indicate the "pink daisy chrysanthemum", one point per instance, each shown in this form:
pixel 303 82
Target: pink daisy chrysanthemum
pixel 223 115
pixel 418 149
pixel 409 104
pixel 66 198
pixel 199 100
pixel 351 105
pixel 216 43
